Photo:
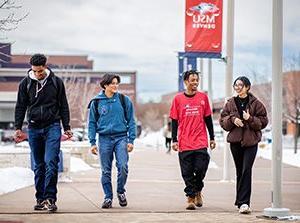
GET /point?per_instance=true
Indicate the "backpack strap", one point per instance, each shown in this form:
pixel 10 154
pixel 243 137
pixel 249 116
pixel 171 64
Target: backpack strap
pixel 122 99
pixel 54 81
pixel 58 84
pixel 29 83
pixel 96 104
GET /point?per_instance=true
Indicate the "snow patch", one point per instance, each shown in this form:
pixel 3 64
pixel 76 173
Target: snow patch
pixel 212 165
pixel 288 155
pixel 77 164
pixel 15 178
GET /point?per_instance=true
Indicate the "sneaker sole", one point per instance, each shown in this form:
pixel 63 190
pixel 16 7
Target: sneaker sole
pixel 106 207
pixel 123 204
pixel 51 210
pixel 245 212
pixel 40 209
pixel 191 207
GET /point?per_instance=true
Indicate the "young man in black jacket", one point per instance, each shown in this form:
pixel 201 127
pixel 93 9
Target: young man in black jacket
pixel 43 96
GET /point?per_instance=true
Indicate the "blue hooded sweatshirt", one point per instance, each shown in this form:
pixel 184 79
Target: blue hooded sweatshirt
pixel 112 121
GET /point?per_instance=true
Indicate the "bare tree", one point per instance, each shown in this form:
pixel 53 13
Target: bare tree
pixel 8 18
pixel 291 95
pixel 152 114
pixel 79 93
pixel 258 77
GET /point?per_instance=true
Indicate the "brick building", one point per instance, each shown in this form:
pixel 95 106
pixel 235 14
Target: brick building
pixel 291 100
pixel 82 83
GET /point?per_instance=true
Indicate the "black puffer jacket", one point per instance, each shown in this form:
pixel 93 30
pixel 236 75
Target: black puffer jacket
pixel 44 105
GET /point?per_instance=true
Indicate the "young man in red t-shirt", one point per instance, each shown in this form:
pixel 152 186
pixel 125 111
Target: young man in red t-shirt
pixel 191 115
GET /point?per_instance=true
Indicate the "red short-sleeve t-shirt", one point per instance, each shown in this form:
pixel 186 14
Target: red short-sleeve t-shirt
pixel 190 113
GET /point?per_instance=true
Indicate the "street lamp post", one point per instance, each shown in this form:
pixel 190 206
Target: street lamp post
pixel 228 78
pixel 202 75
pixel 276 210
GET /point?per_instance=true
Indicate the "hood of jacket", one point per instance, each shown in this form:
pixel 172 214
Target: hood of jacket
pixel 102 96
pixel 32 76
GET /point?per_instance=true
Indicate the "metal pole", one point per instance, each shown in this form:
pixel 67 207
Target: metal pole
pixel 202 75
pixel 209 90
pixel 277 18
pixel 228 78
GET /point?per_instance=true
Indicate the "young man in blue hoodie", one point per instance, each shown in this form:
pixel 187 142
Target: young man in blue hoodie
pixel 112 117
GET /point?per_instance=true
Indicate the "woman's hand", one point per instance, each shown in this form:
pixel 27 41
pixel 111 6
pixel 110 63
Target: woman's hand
pixel 246 115
pixel 238 122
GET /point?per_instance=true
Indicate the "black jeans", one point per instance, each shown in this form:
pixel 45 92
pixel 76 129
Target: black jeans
pixel 243 159
pixel 168 144
pixel 193 166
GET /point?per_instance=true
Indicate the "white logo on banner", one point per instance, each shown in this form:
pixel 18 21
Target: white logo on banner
pixel 204 15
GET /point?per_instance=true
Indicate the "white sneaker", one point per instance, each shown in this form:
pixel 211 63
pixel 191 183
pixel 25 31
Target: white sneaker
pixel 245 209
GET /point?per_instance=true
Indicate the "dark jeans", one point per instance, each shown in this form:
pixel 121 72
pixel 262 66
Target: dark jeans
pixel 45 145
pixel 108 147
pixel 193 166
pixel 243 159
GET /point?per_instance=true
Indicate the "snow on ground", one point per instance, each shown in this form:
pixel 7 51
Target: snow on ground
pixel 156 140
pixel 15 178
pixel 151 139
pixel 77 164
pixel 288 155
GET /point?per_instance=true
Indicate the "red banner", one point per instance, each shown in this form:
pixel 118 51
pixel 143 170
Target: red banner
pixel 203 26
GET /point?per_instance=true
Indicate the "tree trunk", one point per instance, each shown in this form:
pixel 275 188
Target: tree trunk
pixel 83 131
pixel 296 138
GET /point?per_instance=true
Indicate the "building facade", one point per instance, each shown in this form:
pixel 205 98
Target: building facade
pixel 81 83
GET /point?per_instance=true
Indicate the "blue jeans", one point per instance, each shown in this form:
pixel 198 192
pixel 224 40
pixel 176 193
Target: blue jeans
pixel 108 146
pixel 45 145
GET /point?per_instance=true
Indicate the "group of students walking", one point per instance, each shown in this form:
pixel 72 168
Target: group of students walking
pixel 111 117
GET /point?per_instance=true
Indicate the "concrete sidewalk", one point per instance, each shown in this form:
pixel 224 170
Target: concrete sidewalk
pixel 155 194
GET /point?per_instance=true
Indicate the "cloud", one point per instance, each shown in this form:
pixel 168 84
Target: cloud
pixel 145 36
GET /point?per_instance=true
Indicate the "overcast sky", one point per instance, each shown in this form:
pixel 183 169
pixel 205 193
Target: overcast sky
pixel 145 36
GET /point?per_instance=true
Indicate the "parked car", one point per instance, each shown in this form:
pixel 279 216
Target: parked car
pixel 7 135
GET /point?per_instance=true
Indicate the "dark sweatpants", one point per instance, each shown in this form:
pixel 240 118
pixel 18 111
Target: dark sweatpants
pixel 193 166
pixel 243 159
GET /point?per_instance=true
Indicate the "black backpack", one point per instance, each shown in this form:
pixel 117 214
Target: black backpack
pixel 122 99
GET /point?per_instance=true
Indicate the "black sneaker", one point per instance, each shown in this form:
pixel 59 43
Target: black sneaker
pixel 122 200
pixel 50 205
pixel 40 205
pixel 107 203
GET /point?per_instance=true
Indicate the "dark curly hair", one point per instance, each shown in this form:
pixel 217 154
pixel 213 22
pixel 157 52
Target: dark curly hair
pixel 108 78
pixel 188 73
pixel 38 60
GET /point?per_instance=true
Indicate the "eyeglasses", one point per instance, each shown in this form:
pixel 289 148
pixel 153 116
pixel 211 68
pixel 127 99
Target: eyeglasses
pixel 239 85
pixel 114 83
